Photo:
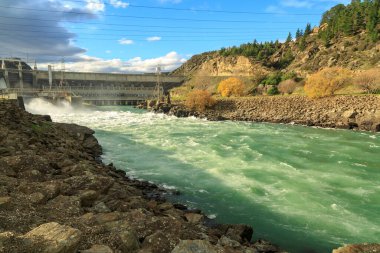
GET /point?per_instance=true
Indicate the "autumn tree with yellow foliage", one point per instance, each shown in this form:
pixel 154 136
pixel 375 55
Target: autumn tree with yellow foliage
pixel 326 82
pixel 199 100
pixel 231 87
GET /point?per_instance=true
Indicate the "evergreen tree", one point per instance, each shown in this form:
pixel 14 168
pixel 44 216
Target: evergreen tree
pixel 352 19
pixel 307 29
pixel 289 38
pixel 298 34
pixel 302 43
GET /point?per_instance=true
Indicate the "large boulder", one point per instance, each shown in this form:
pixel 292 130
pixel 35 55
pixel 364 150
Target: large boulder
pixel 128 241
pixel 97 248
pixel 194 246
pixel 54 238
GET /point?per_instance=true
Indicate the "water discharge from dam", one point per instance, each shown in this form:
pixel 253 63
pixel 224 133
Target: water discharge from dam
pixel 305 189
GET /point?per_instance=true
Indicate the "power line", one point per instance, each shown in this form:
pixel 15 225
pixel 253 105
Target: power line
pixel 203 10
pixel 140 35
pixel 112 24
pixel 145 17
pixel 130 30
pixel 115 39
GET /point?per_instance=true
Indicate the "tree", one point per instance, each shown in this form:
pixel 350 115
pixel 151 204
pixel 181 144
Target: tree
pixel 273 79
pixel 199 100
pixel 272 91
pixel 307 29
pixel 302 43
pixel 287 86
pixel 326 82
pixel 368 80
pixel 289 38
pixel 231 87
pixel 299 34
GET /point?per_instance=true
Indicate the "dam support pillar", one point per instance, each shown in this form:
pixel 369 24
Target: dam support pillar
pixel 20 75
pixel 6 76
pixel 50 73
pixel 35 80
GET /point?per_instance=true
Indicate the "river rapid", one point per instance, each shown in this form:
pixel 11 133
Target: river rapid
pixel 305 189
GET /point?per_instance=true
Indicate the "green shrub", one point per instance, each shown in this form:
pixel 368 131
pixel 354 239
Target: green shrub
pixel 273 91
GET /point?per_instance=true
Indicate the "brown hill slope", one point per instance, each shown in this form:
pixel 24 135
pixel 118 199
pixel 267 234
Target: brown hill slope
pixel 354 52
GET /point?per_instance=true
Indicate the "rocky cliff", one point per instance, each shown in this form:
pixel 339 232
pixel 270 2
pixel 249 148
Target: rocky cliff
pixel 352 52
pixel 57 197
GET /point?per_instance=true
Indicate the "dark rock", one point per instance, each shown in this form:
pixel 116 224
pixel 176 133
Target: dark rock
pixel 263 246
pixel 87 198
pixel 241 233
pixel 128 241
pixel 98 249
pixel 5 202
pixel 194 246
pixel 157 243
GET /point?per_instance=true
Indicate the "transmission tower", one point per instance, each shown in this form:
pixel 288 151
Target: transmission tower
pixel 158 84
pixel 63 69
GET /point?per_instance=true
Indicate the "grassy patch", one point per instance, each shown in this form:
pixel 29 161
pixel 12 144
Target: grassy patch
pixel 42 128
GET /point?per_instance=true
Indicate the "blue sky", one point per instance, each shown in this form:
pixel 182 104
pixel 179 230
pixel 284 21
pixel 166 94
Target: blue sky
pixel 136 35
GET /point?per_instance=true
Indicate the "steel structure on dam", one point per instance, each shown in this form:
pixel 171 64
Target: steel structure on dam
pixel 94 88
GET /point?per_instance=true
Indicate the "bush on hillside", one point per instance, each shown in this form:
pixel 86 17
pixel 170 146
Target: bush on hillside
pixel 273 79
pixel 272 91
pixel 368 80
pixel 326 82
pixel 199 100
pixel 287 86
pixel 231 87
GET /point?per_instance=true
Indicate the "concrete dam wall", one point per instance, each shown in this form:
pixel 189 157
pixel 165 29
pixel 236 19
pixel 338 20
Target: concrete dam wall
pixel 95 88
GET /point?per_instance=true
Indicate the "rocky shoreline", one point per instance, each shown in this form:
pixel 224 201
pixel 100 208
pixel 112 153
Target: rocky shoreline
pixel 344 112
pixel 57 196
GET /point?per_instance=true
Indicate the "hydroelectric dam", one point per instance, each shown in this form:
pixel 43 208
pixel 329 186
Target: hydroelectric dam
pixel 18 79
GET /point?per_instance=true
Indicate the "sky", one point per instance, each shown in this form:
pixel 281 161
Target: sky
pixel 129 36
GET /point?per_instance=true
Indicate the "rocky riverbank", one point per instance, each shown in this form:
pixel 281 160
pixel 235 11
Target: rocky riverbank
pixel 57 196
pixel 346 112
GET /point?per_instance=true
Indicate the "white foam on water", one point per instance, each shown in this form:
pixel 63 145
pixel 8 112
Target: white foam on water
pixel 212 216
pixel 168 187
pixel 359 165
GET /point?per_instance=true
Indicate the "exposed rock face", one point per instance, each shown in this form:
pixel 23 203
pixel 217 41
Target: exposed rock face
pixel 347 112
pixel 196 246
pixel 349 52
pixel 56 196
pixel 214 65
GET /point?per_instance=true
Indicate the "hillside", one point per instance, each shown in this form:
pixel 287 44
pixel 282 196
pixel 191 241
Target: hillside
pixel 348 36
pixel 352 52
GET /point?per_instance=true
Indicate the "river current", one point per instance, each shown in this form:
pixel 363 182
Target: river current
pixel 305 189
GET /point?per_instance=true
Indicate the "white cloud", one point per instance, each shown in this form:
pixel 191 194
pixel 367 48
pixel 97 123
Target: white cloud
pixel 95 5
pixel 154 38
pixel 310 3
pixel 118 4
pixel 124 41
pixel 275 9
pixel 108 51
pixel 170 1
pixel 87 63
pixel 297 3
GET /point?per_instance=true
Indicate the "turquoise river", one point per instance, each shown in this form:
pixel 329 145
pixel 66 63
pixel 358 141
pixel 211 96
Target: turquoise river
pixel 305 189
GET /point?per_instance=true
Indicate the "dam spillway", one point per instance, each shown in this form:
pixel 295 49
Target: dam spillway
pixel 93 88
